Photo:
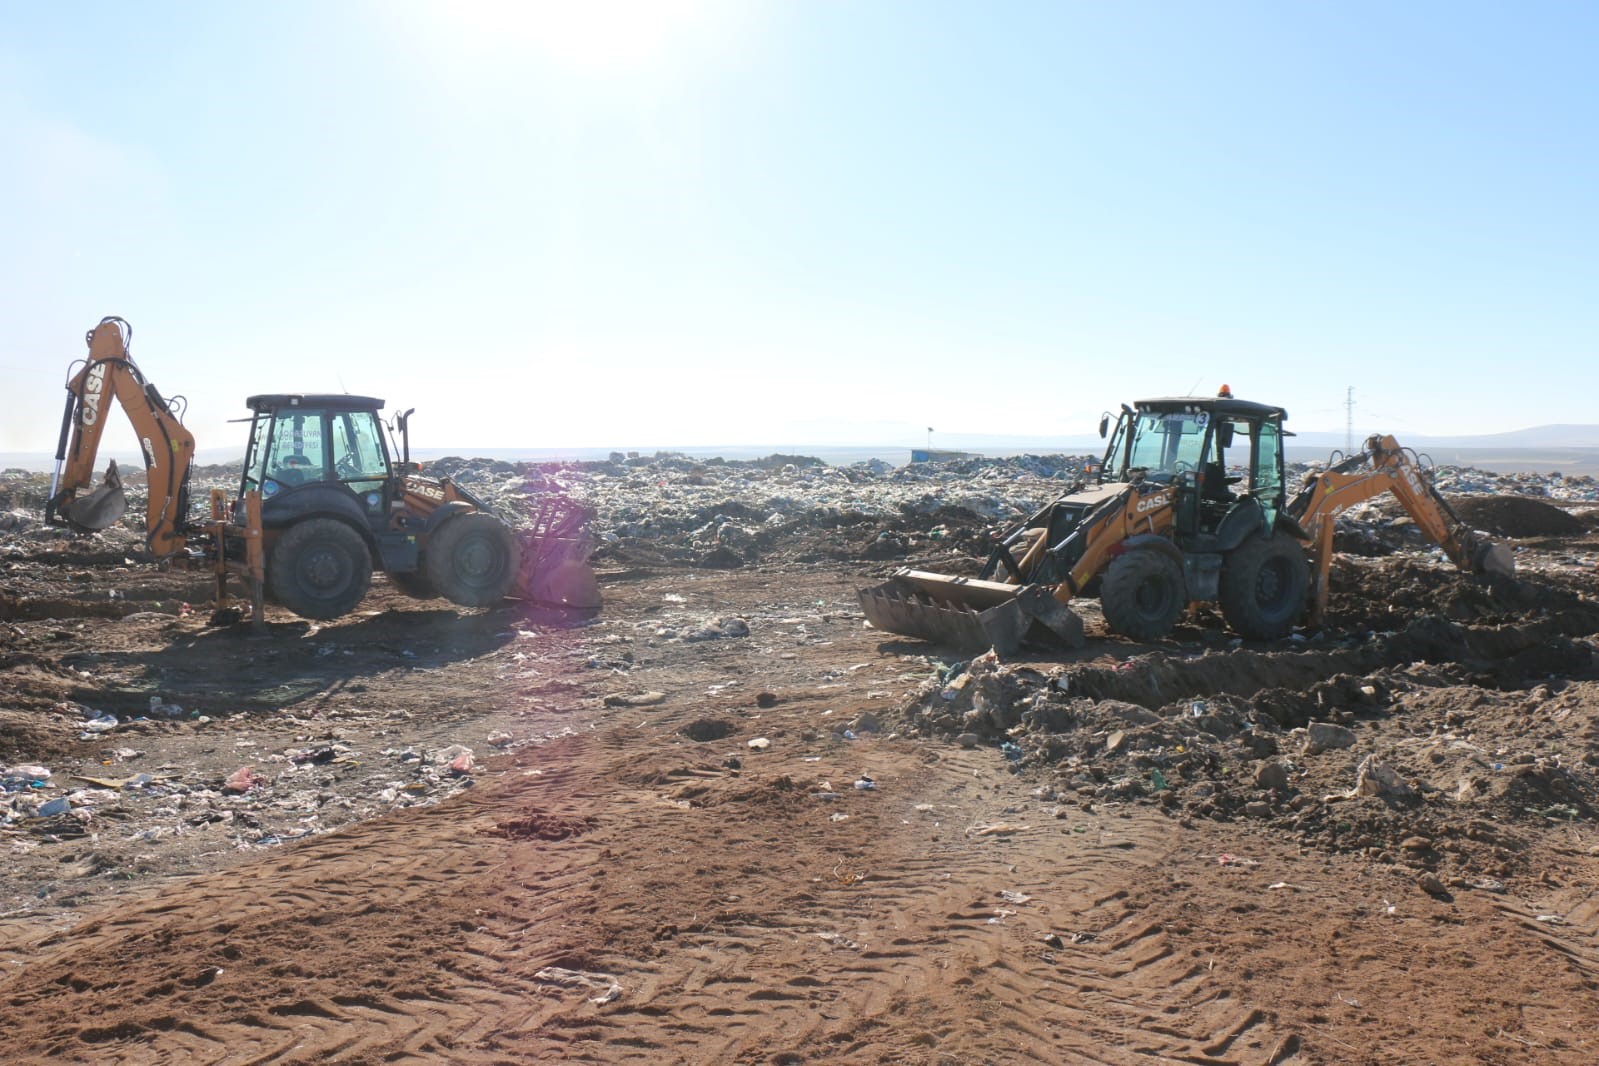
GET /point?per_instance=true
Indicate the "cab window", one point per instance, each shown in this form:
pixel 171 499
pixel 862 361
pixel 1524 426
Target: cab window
pixel 358 447
pixel 297 454
pixel 1167 444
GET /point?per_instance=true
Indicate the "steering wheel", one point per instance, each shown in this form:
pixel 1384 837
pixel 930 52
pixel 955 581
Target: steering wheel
pixel 345 467
pixel 1181 467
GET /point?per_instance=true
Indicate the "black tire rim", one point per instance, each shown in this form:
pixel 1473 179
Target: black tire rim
pixel 323 571
pixel 1273 584
pixel 1153 598
pixel 478 561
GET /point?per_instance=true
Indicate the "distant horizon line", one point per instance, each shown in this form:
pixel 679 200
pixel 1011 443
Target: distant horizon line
pixel 1507 456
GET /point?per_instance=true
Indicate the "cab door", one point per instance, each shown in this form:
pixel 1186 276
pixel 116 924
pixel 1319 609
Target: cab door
pixel 361 461
pixel 1266 472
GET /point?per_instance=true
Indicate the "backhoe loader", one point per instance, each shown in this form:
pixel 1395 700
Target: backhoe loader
pixel 1163 525
pixel 322 503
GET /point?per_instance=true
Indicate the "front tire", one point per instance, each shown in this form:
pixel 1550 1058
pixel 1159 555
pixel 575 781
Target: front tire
pixel 1142 594
pixel 473 560
pixel 1264 586
pixel 320 569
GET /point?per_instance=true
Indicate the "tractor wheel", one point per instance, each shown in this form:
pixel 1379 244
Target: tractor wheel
pixel 320 569
pixel 1264 584
pixel 1142 594
pixel 473 560
pixel 413 583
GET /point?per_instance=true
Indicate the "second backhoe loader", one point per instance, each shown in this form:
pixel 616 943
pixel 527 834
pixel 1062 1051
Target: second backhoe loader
pixel 323 502
pixel 1164 525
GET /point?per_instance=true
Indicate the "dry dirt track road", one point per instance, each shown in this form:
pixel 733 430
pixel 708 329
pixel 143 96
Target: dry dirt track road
pixel 771 912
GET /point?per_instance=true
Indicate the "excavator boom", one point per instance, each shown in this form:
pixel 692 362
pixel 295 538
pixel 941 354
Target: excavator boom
pixel 1383 466
pixel 109 373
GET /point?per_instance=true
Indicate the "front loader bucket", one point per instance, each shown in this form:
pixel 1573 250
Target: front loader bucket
pixel 968 613
pixel 555 558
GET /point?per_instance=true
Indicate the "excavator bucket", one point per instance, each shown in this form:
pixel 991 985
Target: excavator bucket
pixel 1495 559
pixel 968 613
pixel 555 558
pixel 101 508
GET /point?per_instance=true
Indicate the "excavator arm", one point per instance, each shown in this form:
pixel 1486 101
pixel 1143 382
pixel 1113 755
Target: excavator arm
pixel 1383 466
pixel 110 373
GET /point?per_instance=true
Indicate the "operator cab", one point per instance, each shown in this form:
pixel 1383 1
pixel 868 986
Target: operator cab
pixel 305 446
pixel 1223 456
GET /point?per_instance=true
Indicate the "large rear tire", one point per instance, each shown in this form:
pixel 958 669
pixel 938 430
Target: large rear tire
pixel 1142 594
pixel 473 559
pixel 320 569
pixel 1264 586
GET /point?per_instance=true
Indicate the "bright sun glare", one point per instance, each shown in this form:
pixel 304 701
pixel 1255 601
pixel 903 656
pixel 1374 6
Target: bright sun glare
pixel 579 33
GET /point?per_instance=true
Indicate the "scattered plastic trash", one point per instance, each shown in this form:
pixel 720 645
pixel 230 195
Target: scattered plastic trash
pixel 159 709
pixel 865 784
pixel 59 805
pixel 98 723
pixel 24 776
pixel 241 781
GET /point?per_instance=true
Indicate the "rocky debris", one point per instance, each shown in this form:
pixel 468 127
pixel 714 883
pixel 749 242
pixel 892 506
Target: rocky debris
pixel 1438 744
pixel 1325 736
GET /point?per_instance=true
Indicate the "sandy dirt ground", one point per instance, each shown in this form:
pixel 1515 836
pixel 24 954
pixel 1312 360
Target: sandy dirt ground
pixel 727 822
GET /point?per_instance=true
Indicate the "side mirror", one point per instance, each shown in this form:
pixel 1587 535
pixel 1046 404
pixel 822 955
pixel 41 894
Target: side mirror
pixel 1104 425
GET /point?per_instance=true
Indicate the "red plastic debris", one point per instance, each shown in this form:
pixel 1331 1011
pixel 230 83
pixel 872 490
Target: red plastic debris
pixel 240 781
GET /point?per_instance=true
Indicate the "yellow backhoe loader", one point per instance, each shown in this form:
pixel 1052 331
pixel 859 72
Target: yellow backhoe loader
pixel 1164 525
pixel 323 502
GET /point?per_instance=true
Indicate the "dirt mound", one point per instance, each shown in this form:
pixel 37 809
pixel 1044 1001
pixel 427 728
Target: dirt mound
pixel 1517 516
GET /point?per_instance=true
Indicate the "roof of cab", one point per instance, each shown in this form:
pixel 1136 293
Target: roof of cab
pixel 326 401
pixel 1216 405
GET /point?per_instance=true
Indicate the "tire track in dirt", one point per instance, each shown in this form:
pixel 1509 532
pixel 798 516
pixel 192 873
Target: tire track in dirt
pixel 854 962
pixel 381 924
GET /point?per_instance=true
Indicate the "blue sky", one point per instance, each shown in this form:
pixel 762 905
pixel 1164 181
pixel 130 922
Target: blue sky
pixel 736 221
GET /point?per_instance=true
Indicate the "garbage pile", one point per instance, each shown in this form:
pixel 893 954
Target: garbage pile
pixel 668 508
